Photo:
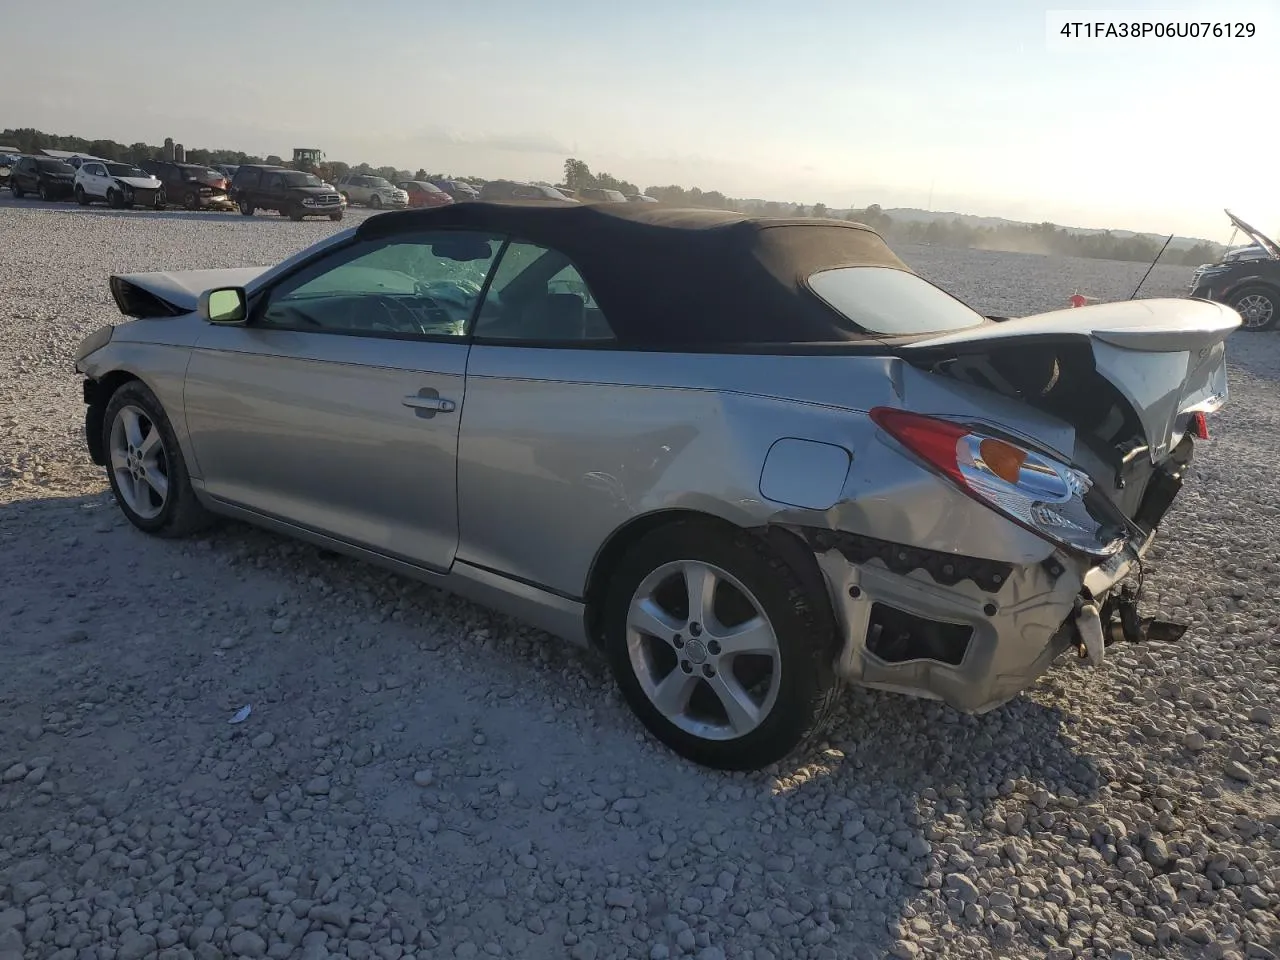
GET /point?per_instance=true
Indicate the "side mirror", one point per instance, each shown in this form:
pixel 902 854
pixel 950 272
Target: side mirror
pixel 226 305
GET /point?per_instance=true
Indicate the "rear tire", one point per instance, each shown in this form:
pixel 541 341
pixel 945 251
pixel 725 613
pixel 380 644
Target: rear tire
pixel 1258 306
pixel 142 454
pixel 191 201
pixel 786 674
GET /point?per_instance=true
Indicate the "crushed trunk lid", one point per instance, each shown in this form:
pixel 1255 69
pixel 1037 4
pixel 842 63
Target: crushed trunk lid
pixel 1166 358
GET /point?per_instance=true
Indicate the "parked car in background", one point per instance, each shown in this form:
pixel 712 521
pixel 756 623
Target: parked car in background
pixel 460 190
pixel 424 194
pixel 291 193
pixel 370 191
pixel 47 178
pixel 601 195
pixel 641 198
pixel 516 191
pixel 191 185
pixel 773 460
pixel 1246 279
pixel 119 184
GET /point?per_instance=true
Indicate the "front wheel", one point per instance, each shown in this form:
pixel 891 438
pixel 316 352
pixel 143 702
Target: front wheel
pixel 82 198
pixel 1257 307
pixel 376 202
pixel 114 199
pixel 145 466
pixel 336 215
pixel 719 648
pixel 296 213
pixel 246 208
pixel 45 193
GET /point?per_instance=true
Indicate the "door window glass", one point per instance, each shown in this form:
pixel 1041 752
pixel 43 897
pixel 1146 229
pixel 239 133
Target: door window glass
pixel 417 285
pixel 538 295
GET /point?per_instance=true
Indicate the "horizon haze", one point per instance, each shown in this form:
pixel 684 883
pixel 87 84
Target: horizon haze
pixel 921 105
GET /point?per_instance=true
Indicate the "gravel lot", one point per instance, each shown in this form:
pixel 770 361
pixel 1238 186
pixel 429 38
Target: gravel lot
pixel 421 778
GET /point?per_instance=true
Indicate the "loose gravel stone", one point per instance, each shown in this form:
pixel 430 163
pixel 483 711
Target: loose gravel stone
pixel 423 778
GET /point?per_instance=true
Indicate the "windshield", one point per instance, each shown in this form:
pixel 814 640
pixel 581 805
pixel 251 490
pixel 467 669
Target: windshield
pixel 379 182
pixel 890 301
pixel 551 193
pixel 55 166
pixel 124 170
pixel 299 179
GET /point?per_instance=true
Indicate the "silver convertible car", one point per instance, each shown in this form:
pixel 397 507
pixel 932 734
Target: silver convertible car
pixel 749 460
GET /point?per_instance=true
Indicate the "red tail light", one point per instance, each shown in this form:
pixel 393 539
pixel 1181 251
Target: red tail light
pixel 1050 498
pixel 1200 425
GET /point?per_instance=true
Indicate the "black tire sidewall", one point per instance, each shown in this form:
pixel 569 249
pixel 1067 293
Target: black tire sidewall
pixel 1269 293
pixel 803 624
pixel 137 394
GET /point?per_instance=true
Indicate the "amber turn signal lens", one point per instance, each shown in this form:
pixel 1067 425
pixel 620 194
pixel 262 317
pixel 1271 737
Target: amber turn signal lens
pixel 1003 459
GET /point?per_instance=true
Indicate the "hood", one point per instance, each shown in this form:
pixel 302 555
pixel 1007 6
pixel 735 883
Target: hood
pixel 313 191
pixel 1166 358
pixel 141 183
pixel 144 295
pixel 1258 237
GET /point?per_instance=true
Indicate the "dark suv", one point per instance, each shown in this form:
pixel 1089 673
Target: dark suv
pixel 292 193
pixel 50 179
pixel 1248 283
pixel 192 185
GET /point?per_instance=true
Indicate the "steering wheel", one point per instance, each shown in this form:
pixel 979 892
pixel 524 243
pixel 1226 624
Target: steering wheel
pixel 396 310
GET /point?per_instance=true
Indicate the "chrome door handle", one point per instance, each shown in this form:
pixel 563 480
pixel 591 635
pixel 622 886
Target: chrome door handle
pixel 428 402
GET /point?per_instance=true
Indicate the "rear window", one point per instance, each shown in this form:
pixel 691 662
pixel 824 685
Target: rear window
pixel 891 302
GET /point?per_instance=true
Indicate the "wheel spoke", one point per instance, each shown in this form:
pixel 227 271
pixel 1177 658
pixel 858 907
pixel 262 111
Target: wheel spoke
pixel 652 621
pixel 141 495
pixel 700 583
pixel 672 693
pixel 158 482
pixel 150 446
pixel 753 636
pixel 119 461
pixel 741 710
pixel 132 426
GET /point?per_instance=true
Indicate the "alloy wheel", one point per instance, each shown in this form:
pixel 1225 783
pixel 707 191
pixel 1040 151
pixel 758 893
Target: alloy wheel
pixel 139 463
pixel 1256 310
pixel 703 650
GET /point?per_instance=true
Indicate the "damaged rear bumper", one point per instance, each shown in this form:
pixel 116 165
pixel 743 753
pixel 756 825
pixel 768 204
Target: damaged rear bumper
pixel 973 633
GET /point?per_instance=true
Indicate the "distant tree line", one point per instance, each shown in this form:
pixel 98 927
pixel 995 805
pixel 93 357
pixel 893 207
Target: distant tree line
pixel 1044 238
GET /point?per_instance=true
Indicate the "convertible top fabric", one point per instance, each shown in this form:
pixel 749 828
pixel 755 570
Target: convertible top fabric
pixel 668 276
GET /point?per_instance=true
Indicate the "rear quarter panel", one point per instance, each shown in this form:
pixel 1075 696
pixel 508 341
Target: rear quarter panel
pixel 560 448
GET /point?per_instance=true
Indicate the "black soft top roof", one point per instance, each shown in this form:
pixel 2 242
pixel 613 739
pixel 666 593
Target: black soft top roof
pixel 670 276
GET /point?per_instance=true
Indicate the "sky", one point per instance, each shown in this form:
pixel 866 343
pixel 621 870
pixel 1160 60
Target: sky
pixel 964 107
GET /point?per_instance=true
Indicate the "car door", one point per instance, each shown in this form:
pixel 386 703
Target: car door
pixel 336 406
pixel 539 482
pixel 93 179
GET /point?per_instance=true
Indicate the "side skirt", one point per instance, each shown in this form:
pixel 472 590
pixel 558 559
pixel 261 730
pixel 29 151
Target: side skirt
pixel 557 615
